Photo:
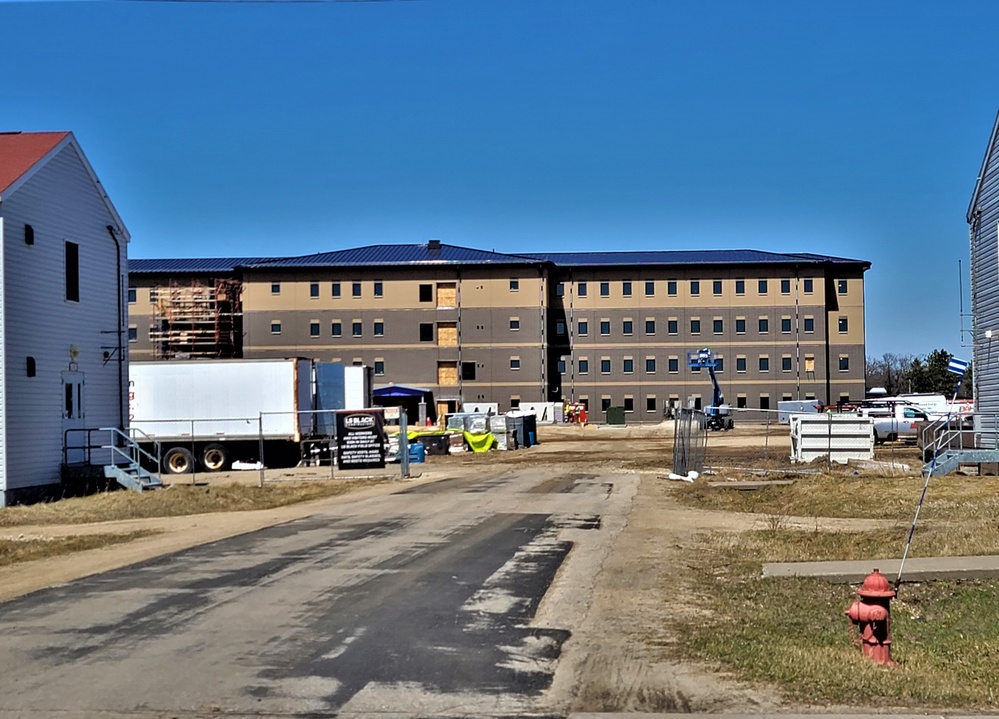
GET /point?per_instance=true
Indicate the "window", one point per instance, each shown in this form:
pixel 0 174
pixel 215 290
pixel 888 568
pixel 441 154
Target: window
pixel 560 328
pixel 605 327
pixel 514 285
pixel 844 363
pixel 29 239
pixel 426 293
pixel 716 287
pixel 719 364
pixel 356 329
pixel 717 326
pixel 560 289
pixel 764 363
pixel 629 404
pixel 650 327
pixel 426 332
pixel 786 397
pixel 379 328
pixel 740 326
pixel 133 333
pixel 673 365
pixel 764 401
pixel 379 367
pixel 72 272
pixel 355 289
pixel 785 286
pixel 650 288
pixel 740 364
pixel 605 403
pixel 584 366
pixel 807 285
pixel 695 327
pixel 764 324
pixel 515 363
pixel 785 324
pixel 809 324
pixel 740 401
pixel 740 287
pixel 626 288
pixel 560 366
pixel 671 287
pixel 671 327
pixel 605 366
pixel 131 296
pixel 650 365
pixel 31 367
pixel 583 328
pixel 514 324
pixel 605 289
pixel 841 287
pixel 313 329
pixel 468 371
pixel 627 327
pixel 844 324
pixel 336 289
pixel 650 404
pixel 695 287
pixel 785 364
pixel 762 287
pixel 379 289
pixel 629 365
pixel 581 289
pixel 337 329
pixel 275 288
pixel 275 328
pixel 314 290
pixel 514 402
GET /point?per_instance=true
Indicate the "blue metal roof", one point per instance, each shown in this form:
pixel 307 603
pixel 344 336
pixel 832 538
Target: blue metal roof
pixel 685 257
pixel 190 265
pixel 381 255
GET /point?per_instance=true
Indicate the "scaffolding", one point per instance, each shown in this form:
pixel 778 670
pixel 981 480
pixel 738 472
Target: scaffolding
pixel 198 320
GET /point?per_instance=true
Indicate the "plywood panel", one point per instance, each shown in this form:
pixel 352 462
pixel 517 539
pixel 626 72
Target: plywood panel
pixel 447 294
pixel 447 373
pixel 447 334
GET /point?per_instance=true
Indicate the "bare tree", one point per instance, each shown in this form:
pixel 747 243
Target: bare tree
pixel 890 371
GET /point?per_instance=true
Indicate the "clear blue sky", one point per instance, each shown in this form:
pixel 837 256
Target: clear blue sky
pixel 851 128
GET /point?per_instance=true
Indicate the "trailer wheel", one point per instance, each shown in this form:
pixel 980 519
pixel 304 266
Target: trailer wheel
pixel 214 457
pixel 178 460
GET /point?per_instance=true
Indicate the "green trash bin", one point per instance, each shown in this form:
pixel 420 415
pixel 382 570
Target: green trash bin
pixel 615 415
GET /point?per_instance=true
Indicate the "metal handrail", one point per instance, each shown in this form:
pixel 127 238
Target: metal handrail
pixel 133 447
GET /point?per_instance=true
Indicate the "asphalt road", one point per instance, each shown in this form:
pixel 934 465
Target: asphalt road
pixel 424 602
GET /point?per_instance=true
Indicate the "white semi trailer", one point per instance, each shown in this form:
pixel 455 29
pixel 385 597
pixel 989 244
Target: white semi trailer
pixel 204 414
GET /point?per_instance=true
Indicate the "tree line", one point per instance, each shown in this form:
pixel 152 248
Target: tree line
pixel 911 373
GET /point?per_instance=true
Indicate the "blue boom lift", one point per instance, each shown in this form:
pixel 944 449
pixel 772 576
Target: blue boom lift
pixel 718 414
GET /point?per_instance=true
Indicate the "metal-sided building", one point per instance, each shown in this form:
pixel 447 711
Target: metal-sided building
pixel 63 274
pixel 603 329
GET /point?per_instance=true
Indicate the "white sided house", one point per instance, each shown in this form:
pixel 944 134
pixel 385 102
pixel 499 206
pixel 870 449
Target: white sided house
pixel 63 321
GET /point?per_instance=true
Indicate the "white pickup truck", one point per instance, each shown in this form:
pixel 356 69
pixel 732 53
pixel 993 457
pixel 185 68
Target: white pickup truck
pixel 894 419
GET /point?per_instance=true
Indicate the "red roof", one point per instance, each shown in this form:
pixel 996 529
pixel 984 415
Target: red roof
pixel 20 151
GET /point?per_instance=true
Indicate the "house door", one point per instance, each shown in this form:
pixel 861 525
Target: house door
pixel 73 416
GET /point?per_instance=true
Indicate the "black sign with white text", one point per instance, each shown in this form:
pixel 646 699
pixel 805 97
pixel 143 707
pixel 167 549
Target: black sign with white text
pixel 360 439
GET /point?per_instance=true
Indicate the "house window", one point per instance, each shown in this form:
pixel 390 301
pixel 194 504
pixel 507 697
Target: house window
pixel 605 366
pixel 626 288
pixel 629 365
pixel 740 401
pixel 514 286
pixel 355 289
pixel 809 324
pixel 650 404
pixel 560 289
pixel 336 329
pixel 356 329
pixel 426 293
pixel 584 366
pixel 379 328
pixel 132 296
pixel 740 325
pixel 671 287
pixel 426 332
pixel 717 326
pixel 275 288
pixel 764 401
pixel 719 364
pixel 650 365
pixel 695 327
pixel 695 287
pixel 740 364
pixel 785 324
pixel 514 323
pixel 650 327
pixel 841 287
pixel 785 286
pixel 673 365
pixel 605 327
pixel 336 289
pixel 73 272
pixel 786 397
pixel 672 327
pixel 650 288
pixel 629 404
pixel 514 402
pixel 560 328
pixel 844 363
pixel 29 238
pixel 762 287
pixel 379 289
pixel 581 289
pixel 583 327
pixel 843 325
pixel 716 287
pixel 314 290
pixel 740 287
pixel 605 403
pixel 313 329
pixel 764 325
pixel 379 367
pixel 605 289
pixel 807 285
pixel 560 366
pixel 275 328
pixel 515 363
pixel 133 333
pixel 627 327
pixel 785 363
pixel 764 363
pixel 468 371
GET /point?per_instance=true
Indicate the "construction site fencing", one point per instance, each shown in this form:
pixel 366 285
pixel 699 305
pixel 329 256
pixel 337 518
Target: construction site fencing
pixel 690 433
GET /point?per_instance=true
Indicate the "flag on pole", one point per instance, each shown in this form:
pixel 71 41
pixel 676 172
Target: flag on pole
pixel 958 367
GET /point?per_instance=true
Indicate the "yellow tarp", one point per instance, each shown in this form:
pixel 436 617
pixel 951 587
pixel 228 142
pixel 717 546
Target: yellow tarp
pixel 480 442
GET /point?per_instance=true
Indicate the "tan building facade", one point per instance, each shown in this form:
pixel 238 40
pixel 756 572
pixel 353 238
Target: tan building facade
pixel 605 329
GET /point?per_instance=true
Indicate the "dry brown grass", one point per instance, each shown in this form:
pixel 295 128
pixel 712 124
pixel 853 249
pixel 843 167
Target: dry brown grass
pixel 26 549
pixel 177 500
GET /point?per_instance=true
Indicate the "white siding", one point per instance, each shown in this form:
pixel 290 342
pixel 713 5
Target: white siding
pixel 63 204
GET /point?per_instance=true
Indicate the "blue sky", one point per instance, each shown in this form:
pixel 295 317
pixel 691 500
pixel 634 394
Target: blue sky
pixel 853 129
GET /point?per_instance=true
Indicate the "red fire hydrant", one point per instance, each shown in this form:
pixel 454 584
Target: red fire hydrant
pixel 873 615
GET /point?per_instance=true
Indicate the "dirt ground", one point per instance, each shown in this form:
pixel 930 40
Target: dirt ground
pixel 618 659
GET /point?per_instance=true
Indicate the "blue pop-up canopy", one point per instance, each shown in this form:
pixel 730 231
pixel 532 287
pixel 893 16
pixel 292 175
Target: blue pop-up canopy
pixel 400 390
